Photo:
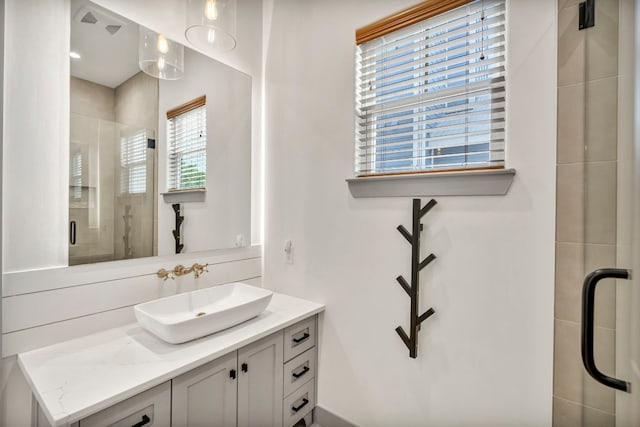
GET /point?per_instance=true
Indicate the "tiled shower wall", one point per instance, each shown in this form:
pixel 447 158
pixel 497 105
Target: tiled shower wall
pixel 586 208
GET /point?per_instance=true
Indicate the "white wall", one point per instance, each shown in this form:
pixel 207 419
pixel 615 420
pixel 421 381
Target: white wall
pixel 36 116
pixel 225 212
pixel 485 357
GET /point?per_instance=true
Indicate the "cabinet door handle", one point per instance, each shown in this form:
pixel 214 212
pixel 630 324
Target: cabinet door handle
pixel 588 306
pixel 145 420
pixel 301 373
pixel 302 338
pixel 297 408
pixel 232 374
pixel 245 367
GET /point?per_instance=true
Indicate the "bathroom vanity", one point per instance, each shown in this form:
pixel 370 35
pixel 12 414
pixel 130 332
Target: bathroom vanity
pixel 261 372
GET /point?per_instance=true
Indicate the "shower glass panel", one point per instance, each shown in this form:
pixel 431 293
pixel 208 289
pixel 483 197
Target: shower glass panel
pixel 598 217
pixel 111 190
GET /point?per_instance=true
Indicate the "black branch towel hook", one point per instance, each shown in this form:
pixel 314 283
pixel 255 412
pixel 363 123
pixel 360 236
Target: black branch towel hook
pixel 126 236
pixel 176 233
pixel 411 340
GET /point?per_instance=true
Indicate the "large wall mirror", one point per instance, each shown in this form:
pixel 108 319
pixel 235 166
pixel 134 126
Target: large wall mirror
pixel 157 166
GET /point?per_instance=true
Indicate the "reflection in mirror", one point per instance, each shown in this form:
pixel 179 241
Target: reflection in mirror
pixel 121 153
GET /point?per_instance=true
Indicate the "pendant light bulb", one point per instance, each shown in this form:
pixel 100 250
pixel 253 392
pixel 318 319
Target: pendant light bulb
pixel 211 24
pixel 211 10
pixel 158 56
pixel 163 44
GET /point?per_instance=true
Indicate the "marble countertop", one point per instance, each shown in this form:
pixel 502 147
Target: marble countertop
pixel 77 378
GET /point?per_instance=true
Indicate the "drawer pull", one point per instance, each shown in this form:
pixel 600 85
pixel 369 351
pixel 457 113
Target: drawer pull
pixel 145 420
pixel 301 373
pixel 302 338
pixel 297 408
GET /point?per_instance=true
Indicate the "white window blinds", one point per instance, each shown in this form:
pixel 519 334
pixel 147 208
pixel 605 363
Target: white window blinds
pixel 133 163
pixel 187 150
pixel 431 96
pixel 76 175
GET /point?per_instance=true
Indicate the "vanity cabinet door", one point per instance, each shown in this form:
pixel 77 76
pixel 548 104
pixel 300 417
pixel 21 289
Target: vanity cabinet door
pixel 260 383
pixel 206 396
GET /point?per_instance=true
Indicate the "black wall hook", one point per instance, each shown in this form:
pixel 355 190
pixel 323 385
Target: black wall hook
pixel 126 237
pixel 411 341
pixel 176 233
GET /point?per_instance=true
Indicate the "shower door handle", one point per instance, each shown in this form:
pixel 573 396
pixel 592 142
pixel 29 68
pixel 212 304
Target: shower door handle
pixel 588 307
pixel 72 232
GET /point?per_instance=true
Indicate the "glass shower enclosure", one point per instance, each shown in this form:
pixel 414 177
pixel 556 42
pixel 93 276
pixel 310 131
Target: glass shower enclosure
pixel 111 190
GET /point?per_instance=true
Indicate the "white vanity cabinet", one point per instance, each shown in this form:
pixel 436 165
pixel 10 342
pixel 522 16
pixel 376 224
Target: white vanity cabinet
pixel 255 386
pixel 260 374
pixel 249 380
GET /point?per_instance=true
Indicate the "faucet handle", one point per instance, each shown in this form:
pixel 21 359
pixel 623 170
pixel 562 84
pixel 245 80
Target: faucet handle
pixel 198 269
pixel 164 274
pixel 181 270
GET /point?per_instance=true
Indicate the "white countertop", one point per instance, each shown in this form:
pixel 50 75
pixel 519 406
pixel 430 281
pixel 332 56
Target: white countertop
pixel 77 378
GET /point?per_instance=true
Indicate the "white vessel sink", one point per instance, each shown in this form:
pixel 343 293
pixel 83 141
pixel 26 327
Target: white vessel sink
pixel 192 315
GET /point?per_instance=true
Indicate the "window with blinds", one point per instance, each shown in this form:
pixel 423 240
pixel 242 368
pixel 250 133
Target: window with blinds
pixel 133 163
pixel 431 94
pixel 76 175
pixel 187 147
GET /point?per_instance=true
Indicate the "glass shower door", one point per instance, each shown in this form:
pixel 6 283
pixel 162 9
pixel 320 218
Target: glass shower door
pixel 91 219
pixel 111 191
pixel 612 209
pixel 628 218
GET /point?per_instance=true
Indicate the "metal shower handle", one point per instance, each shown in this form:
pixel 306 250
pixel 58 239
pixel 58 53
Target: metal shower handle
pixel 588 307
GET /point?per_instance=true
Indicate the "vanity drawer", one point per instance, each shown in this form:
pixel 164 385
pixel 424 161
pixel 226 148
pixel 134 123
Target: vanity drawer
pixel 299 403
pixel 299 370
pixel 299 337
pixel 147 409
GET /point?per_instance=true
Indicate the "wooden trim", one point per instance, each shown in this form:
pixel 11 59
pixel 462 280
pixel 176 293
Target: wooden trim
pixel 425 172
pixel 406 17
pixel 188 106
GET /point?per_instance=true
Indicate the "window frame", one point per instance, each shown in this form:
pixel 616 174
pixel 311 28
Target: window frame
pixel 391 24
pixel 127 166
pixel 173 114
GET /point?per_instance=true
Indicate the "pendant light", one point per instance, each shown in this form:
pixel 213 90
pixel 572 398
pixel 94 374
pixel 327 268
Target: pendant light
pixel 211 24
pixel 158 56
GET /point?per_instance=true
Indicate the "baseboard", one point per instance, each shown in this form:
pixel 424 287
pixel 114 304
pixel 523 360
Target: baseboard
pixel 325 418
